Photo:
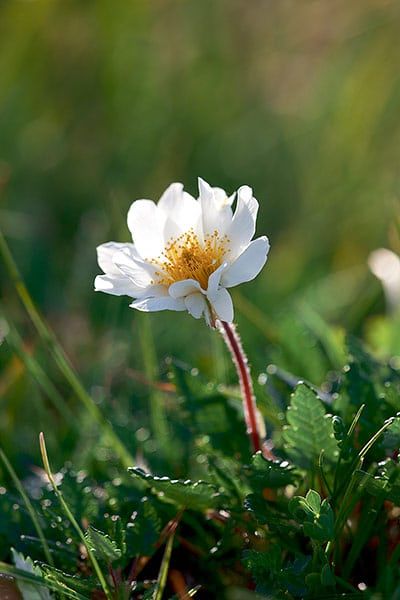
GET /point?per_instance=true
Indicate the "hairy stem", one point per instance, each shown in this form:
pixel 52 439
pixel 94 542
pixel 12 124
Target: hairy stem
pixel 234 344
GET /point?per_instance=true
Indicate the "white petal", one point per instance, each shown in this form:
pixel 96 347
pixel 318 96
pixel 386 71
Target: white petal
pixel 215 216
pixel 138 271
pixel 214 280
pixel 179 289
pixel 116 285
pixel 171 197
pixel 177 203
pixel 196 305
pixel 146 224
pixel 222 198
pixel 222 305
pixel 158 303
pixel 105 253
pixel 182 212
pixel 248 265
pixel 243 224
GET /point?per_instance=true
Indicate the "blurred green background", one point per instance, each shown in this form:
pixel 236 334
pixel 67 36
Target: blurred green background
pixel 102 103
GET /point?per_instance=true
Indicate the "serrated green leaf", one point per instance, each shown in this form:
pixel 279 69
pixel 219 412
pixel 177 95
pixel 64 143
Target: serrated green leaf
pixel 101 544
pixel 198 495
pixel 118 533
pixel 266 513
pixel 33 579
pixel 309 429
pixel 72 582
pixel 264 473
pixel 273 576
pixel 263 564
pixel 225 473
pixel 31 591
pixel 143 530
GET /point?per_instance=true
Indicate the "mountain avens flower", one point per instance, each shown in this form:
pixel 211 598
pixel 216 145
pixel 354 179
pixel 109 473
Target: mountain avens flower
pixel 185 255
pixel 186 252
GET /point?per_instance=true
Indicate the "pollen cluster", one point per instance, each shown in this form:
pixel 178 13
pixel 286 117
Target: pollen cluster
pixel 188 257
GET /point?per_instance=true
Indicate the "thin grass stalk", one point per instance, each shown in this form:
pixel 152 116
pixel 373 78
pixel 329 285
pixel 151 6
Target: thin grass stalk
pixel 29 507
pixel 163 573
pixel 71 518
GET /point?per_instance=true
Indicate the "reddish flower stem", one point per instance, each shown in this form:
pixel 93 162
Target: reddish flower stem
pixel 234 344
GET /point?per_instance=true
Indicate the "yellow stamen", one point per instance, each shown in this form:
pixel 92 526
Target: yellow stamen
pixel 186 257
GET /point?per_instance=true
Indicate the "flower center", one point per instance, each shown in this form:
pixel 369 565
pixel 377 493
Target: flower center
pixel 186 257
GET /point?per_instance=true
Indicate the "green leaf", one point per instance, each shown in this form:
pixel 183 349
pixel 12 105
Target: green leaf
pixel 263 565
pixel 274 578
pixel 385 484
pixel 38 581
pixel 314 500
pixel 143 529
pixel 101 544
pixel 71 582
pixel 391 437
pixel 29 590
pixel 264 473
pixel 209 413
pixel 226 474
pixel 280 522
pixel 309 429
pixel 316 517
pixel 198 495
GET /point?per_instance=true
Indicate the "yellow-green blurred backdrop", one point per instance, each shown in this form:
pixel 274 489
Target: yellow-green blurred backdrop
pixel 105 102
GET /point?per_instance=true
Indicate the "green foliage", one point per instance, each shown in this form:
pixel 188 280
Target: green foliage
pixel 30 590
pixel 316 516
pixel 264 473
pixel 391 437
pixel 284 517
pixel 385 484
pixel 143 529
pixel 309 429
pixel 105 549
pixel 197 495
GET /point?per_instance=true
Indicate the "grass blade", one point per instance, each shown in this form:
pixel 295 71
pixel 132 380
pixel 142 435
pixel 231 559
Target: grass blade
pixel 29 507
pixel 39 581
pixel 162 576
pixel 72 519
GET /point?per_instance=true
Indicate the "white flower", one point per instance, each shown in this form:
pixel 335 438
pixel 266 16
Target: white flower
pixel 185 252
pixel 385 265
